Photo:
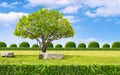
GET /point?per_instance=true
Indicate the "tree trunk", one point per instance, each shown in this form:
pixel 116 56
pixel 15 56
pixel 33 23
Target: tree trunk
pixel 44 49
pixel 41 55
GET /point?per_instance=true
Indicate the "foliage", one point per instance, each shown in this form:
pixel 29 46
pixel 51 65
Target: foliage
pixel 70 44
pixel 93 45
pixel 24 44
pixel 13 46
pixel 44 26
pixel 50 45
pixel 58 46
pixel 82 45
pixel 59 70
pixel 35 46
pixel 3 44
pixel 106 46
pixel 116 45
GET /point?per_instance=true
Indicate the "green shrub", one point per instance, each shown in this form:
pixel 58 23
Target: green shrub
pixel 24 44
pixel 82 45
pixel 116 45
pixel 59 70
pixel 50 45
pixel 93 45
pixel 58 46
pixel 3 44
pixel 106 46
pixel 35 46
pixel 13 46
pixel 70 45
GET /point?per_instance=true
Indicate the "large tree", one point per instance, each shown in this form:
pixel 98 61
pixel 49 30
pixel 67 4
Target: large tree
pixel 44 26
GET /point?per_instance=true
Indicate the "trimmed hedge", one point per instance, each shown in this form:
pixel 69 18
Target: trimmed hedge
pixel 50 45
pixel 82 45
pixel 35 46
pixel 24 45
pixel 116 45
pixel 106 46
pixel 58 46
pixel 70 45
pixel 61 49
pixel 3 44
pixel 13 46
pixel 93 45
pixel 59 70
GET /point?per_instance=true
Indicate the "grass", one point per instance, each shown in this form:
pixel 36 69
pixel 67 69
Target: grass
pixel 70 58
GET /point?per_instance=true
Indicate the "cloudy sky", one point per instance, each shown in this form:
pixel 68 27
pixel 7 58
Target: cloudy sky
pixel 92 20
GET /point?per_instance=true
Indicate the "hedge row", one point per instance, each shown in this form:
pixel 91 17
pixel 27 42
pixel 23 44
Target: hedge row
pixel 59 70
pixel 69 44
pixel 65 49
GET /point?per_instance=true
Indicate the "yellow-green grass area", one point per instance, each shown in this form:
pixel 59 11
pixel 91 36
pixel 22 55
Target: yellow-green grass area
pixel 70 58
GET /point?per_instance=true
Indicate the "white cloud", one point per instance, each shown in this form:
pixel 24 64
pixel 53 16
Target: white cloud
pixel 101 7
pixel 71 9
pixel 104 8
pixel 11 5
pixel 4 4
pixel 15 3
pixel 10 18
pixel 72 19
pixel 46 2
pixel 88 13
pixel 94 3
pixel 33 3
pixel 53 3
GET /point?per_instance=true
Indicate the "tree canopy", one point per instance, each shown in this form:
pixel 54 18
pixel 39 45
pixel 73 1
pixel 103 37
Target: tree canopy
pixel 45 26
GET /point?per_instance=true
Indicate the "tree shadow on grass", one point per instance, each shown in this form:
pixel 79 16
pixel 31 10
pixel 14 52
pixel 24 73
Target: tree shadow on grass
pixel 71 56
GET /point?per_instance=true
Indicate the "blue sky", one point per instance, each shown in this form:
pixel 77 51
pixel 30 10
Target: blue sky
pixel 92 20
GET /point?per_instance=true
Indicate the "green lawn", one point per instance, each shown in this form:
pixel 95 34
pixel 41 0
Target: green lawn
pixel 71 57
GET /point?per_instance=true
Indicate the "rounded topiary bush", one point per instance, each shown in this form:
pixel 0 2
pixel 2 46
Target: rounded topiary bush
pixel 13 46
pixel 58 46
pixel 35 46
pixel 106 46
pixel 3 44
pixel 50 45
pixel 93 45
pixel 116 45
pixel 82 45
pixel 24 45
pixel 70 45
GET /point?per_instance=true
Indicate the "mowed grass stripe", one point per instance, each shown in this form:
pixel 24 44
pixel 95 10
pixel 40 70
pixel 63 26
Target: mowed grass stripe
pixel 81 53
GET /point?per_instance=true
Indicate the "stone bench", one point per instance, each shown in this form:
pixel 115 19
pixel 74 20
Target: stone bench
pixel 7 54
pixel 51 56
